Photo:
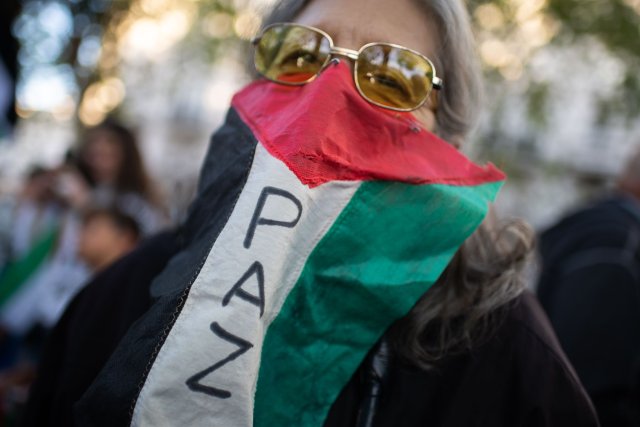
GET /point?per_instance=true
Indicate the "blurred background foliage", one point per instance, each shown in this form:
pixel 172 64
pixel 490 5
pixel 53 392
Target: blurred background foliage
pixel 535 24
pixel 86 41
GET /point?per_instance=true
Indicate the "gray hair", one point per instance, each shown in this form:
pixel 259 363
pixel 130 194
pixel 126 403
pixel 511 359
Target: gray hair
pixel 485 274
pixel 464 306
pixel 455 61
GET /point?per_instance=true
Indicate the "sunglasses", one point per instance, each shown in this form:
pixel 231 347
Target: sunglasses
pixel 385 74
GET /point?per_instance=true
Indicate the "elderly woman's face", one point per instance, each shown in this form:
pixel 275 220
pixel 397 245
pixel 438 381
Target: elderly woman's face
pixel 354 23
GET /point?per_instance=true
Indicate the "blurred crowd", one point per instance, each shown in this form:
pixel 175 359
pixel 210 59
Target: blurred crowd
pixel 65 224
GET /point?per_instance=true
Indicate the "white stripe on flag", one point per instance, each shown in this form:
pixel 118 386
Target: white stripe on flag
pixel 213 349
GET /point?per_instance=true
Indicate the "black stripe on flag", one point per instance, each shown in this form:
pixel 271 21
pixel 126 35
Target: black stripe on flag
pixel 111 398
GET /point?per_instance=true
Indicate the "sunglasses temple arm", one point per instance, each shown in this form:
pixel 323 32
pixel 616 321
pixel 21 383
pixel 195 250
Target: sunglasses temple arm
pixel 437 83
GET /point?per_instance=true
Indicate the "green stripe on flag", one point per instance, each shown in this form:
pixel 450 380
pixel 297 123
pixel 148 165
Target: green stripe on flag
pixel 18 272
pixel 387 247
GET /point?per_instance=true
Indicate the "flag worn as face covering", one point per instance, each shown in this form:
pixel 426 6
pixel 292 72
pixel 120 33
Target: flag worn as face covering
pixel 320 220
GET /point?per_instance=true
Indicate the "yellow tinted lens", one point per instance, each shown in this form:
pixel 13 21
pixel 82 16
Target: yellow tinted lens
pixel 393 77
pixel 291 54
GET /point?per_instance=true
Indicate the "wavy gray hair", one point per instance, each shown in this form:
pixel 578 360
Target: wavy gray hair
pixel 464 306
pixel 484 275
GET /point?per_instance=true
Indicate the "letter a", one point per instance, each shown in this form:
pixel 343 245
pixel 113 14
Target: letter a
pixel 257 270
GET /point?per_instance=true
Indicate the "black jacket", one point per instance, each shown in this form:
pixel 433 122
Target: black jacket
pixel 518 377
pixel 590 288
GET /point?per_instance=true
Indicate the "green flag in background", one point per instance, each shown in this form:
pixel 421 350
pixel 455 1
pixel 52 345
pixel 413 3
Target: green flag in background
pixel 18 272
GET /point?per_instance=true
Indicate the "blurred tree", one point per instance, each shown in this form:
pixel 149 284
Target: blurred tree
pixel 512 30
pixel 616 23
pixel 85 40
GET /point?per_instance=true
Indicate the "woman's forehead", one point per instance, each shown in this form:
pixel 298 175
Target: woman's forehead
pixel 354 23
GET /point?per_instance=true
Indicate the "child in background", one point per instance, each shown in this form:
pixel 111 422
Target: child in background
pixel 106 235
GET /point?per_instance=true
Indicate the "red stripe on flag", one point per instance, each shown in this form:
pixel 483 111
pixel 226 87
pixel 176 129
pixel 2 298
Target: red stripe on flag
pixel 324 131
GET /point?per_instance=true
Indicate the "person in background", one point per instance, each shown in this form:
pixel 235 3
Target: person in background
pixel 46 264
pixel 37 246
pixel 30 232
pixel 105 236
pixel 33 212
pixel 590 288
pixel 107 170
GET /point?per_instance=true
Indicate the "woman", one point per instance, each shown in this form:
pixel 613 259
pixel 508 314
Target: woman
pixel 326 208
pixel 431 367
pixel 111 164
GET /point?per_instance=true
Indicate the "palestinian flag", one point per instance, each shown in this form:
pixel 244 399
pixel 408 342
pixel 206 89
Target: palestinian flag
pixel 320 220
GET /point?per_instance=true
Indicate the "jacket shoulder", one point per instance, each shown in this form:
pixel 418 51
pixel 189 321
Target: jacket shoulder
pixel 543 384
pixel 518 376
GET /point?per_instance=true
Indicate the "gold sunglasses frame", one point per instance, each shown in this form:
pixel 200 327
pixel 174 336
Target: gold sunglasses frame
pixel 436 82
